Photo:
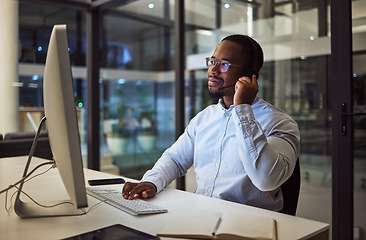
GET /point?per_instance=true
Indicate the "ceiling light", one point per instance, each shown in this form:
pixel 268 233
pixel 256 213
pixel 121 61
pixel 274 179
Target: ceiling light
pixel 121 81
pixel 205 32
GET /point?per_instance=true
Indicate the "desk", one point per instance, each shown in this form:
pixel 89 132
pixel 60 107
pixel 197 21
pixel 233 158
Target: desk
pixel 49 187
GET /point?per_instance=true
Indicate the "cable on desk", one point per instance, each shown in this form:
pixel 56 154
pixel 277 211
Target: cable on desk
pixel 25 180
pixel 45 206
pixel 27 176
pixel 8 209
pixel 95 205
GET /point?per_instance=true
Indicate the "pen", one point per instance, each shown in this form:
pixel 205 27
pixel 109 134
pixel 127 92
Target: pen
pixel 275 237
pixel 216 226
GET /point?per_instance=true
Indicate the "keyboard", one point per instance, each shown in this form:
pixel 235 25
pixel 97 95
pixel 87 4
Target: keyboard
pixel 114 198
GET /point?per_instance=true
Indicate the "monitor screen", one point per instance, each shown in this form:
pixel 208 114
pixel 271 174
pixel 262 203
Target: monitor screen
pixel 62 126
pixel 60 112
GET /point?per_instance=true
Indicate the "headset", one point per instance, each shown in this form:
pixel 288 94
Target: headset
pixel 253 70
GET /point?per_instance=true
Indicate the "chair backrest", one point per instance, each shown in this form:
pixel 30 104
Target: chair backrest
pixel 19 144
pixel 24 135
pixel 290 191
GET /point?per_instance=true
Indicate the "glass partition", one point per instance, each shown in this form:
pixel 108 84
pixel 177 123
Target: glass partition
pixel 295 36
pixel 359 143
pixel 138 115
pixel 35 25
pixel 359 121
pixel 295 76
pixel 138 123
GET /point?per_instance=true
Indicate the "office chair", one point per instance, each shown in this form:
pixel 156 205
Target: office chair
pixel 19 144
pixel 290 191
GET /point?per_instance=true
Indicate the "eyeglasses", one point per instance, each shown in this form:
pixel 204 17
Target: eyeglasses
pixel 222 65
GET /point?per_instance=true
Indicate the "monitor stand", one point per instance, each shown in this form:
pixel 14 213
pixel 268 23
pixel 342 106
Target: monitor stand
pixel 32 209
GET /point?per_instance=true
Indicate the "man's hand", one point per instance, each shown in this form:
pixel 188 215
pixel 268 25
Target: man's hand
pixel 144 189
pixel 245 90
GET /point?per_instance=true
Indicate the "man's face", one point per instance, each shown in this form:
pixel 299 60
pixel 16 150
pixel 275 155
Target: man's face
pixel 232 53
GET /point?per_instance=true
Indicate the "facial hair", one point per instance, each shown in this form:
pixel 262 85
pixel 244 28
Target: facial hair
pixel 219 92
pixel 215 93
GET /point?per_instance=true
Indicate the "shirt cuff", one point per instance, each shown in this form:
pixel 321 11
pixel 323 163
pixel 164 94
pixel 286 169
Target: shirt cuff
pixel 157 183
pixel 246 127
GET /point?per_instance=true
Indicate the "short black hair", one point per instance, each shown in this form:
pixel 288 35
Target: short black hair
pixel 251 48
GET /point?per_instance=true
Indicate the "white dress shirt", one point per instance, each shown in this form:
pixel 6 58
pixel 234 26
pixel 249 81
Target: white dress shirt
pixel 241 154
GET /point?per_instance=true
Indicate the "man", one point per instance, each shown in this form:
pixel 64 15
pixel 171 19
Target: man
pixel 242 148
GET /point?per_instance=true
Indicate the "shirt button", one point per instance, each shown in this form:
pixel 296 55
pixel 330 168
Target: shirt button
pixel 240 114
pixel 246 135
pixel 209 190
pixel 216 164
pixel 220 138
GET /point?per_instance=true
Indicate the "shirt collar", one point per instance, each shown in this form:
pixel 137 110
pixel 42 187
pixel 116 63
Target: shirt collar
pixel 220 103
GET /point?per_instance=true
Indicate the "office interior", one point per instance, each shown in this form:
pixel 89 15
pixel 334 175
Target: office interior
pixel 132 71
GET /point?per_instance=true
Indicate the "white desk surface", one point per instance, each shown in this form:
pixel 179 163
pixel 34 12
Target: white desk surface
pixel 49 187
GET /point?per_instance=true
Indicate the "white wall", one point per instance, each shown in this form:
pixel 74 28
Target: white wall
pixel 8 66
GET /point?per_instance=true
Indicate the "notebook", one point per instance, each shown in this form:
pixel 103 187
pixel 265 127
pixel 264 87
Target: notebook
pixel 215 225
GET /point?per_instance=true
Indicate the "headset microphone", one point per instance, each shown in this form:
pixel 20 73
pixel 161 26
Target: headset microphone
pixel 221 88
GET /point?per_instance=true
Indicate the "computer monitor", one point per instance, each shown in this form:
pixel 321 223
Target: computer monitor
pixel 62 126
